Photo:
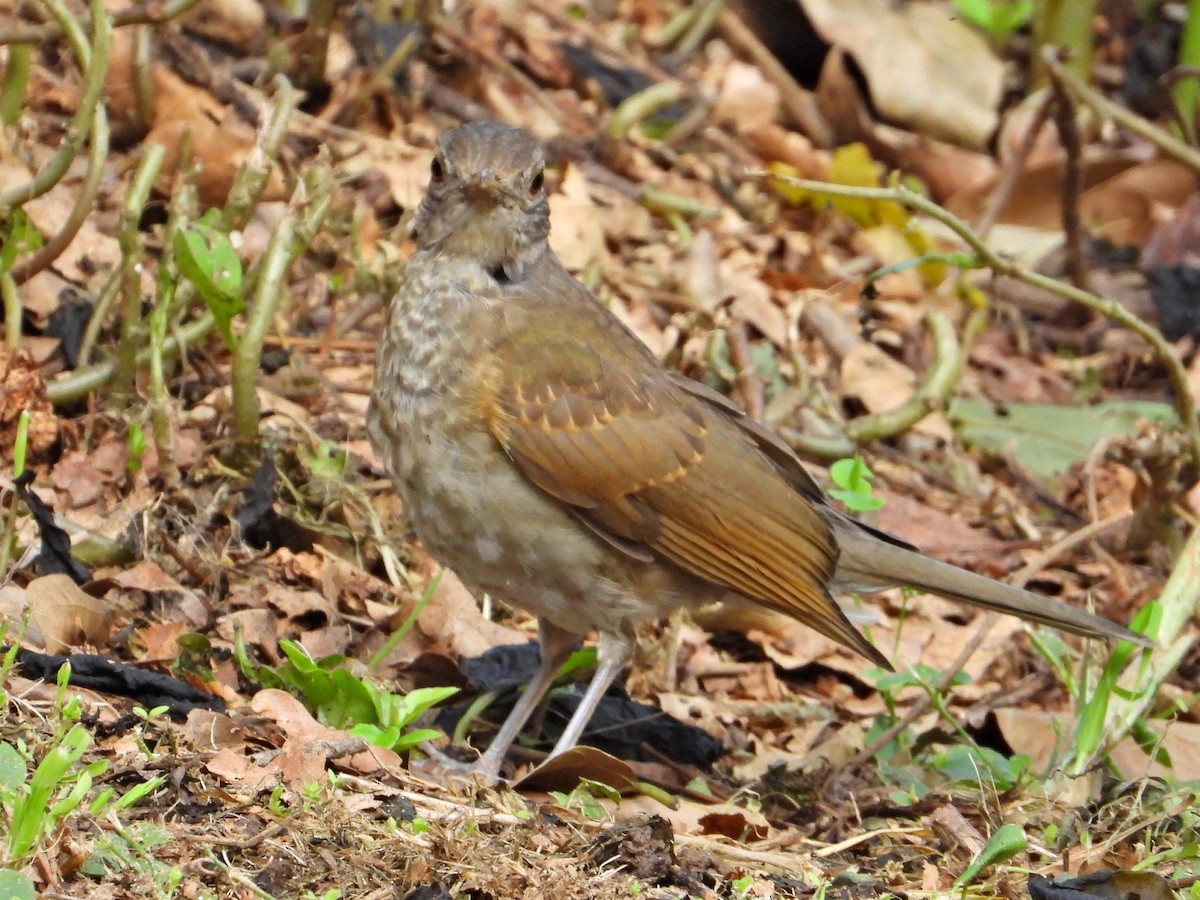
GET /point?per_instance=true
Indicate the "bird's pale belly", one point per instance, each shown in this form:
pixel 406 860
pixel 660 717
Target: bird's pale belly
pixel 481 518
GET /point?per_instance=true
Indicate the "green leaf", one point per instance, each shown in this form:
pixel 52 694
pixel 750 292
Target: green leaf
pixel 967 764
pixel 12 769
pixel 410 739
pixel 1150 742
pixel 1007 841
pixel 21 444
pixel 19 236
pixel 1047 438
pixel 854 484
pixel 207 259
pixel 15 886
pixel 139 791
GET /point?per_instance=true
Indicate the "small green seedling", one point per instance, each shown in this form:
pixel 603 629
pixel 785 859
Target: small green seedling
pixel 341 700
pixel 741 886
pixel 1007 841
pixel 137 447
pixel 853 480
pixel 206 257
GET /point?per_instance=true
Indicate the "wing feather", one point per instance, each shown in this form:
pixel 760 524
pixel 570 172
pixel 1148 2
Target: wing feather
pixel 662 472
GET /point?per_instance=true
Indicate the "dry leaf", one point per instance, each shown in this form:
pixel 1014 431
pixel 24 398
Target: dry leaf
pixel 576 233
pixel 902 51
pixel 746 100
pixel 61 614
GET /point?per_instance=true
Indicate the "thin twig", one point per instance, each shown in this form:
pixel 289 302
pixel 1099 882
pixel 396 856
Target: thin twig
pixel 748 381
pixel 1143 128
pixel 1072 184
pixel 1013 168
pixel 798 103
pixel 1165 352
pixel 91 332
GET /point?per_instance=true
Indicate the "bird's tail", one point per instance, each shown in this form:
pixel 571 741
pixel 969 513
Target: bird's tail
pixel 867 559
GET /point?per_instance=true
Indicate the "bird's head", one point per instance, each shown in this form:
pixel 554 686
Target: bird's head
pixel 486 199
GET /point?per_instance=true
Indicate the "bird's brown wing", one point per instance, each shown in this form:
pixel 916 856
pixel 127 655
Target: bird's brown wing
pixel 601 427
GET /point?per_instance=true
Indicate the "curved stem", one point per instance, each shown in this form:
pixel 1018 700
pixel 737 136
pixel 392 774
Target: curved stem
pixel 1167 356
pixel 94 63
pixel 948 358
pixel 83 381
pixel 85 204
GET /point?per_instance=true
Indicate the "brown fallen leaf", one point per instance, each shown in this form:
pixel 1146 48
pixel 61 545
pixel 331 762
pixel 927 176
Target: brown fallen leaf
pixel 62 616
pixel 23 388
pixel 565 771
pixel 913 81
pixel 576 234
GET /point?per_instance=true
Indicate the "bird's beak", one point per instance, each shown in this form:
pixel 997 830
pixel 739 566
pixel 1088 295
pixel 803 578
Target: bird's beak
pixel 483 189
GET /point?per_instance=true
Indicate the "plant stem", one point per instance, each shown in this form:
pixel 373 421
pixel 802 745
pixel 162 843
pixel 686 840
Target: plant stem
pixel 642 106
pixel 131 266
pixel 259 315
pixel 93 62
pixel 251 179
pixel 16 79
pixel 1068 24
pixel 1187 89
pixel 85 203
pixel 1143 128
pixel 83 381
pixel 948 358
pixel 12 310
pixel 134 15
pixel 1163 349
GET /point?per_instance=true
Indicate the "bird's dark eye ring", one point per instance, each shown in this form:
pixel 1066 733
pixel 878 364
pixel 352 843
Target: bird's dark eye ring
pixel 535 184
pixel 437 171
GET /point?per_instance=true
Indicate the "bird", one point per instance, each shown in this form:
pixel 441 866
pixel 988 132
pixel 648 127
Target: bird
pixel 544 454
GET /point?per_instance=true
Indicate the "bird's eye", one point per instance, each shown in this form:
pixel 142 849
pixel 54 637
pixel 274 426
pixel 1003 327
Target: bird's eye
pixel 535 183
pixel 437 172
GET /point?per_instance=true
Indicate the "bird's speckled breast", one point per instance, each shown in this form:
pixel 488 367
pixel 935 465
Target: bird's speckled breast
pixel 469 505
pixel 417 420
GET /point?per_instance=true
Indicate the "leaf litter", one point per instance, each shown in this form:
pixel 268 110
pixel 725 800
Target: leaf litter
pixel 266 797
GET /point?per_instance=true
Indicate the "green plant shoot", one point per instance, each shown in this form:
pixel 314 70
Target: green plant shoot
pixel 853 480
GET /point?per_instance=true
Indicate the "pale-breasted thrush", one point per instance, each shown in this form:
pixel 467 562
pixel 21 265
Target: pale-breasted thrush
pixel 544 454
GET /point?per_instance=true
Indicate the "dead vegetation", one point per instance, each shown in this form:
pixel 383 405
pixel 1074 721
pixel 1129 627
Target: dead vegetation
pixel 163 354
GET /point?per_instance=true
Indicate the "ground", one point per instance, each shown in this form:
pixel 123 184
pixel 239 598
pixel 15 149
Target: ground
pixel 1026 433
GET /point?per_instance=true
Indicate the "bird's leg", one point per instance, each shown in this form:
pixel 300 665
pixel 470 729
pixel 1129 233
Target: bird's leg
pixel 557 645
pixel 613 652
